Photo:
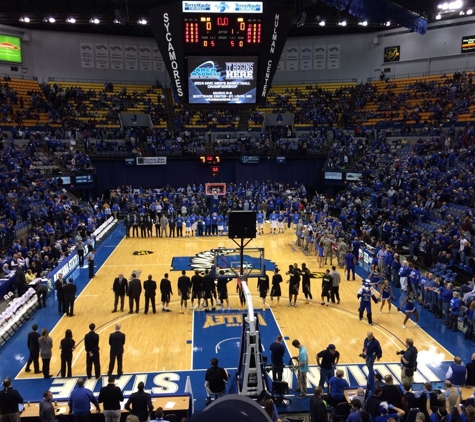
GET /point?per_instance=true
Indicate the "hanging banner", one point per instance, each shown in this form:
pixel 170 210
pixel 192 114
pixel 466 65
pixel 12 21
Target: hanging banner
pixel 158 63
pixel 102 56
pixel 319 57
pixel 86 50
pixel 281 64
pixel 333 56
pixel 145 57
pixel 131 57
pixel 116 52
pixel 291 58
pixel 306 57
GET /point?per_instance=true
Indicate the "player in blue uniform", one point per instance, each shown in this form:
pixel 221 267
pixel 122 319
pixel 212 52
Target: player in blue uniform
pixel 273 222
pixel 187 227
pixel 260 222
pixel 365 294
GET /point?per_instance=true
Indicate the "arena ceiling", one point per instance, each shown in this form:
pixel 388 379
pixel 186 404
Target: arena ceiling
pixel 129 12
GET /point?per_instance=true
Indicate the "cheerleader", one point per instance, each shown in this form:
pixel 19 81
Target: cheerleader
pixel 275 291
pixel 410 308
pixel 386 295
pixel 310 240
pixel 375 277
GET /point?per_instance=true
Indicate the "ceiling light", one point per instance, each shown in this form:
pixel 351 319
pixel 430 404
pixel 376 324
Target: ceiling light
pixel 453 5
pixel 469 11
pixel 438 16
pixel 461 13
pixel 342 23
pixel 142 21
pixel 388 23
pixel 322 23
pixel 71 20
pixel 25 19
pixel 49 19
pixel 364 23
pixel 94 20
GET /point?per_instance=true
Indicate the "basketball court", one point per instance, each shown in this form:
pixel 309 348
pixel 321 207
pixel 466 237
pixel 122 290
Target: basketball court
pixel 164 349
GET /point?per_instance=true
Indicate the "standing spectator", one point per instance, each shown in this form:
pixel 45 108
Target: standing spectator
pixel 457 373
pixel 45 343
pixel 470 367
pixel 120 289
pixel 9 401
pixel 134 290
pixel 140 403
pixel 91 344
pixel 90 262
pixel 47 410
pixel 318 408
pixel 34 349
pixel 41 293
pixel 111 396
pixel 116 343
pixel 150 288
pixel 215 380
pixel 371 352
pixel 69 291
pixel 302 368
pixel 277 352
pixel 67 346
pixel 80 402
pixel 327 360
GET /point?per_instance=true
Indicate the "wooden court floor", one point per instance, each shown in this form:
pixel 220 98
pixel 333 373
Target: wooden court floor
pixel 159 342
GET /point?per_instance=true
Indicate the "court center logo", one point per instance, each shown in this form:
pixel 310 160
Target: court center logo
pixel 143 252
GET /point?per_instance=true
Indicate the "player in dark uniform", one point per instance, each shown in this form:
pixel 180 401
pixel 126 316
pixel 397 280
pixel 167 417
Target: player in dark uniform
pixel 184 286
pixel 263 287
pixel 196 288
pixel 294 284
pixel 223 289
pixel 327 281
pixel 208 290
pixel 306 285
pixel 166 292
pixel 276 290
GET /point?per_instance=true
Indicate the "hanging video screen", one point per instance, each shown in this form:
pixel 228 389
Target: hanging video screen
pixel 221 80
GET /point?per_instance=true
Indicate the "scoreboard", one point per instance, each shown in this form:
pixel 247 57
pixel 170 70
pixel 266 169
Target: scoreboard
pixel 220 53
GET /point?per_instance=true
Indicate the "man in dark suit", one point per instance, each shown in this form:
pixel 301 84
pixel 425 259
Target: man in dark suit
pixel 127 225
pixel 120 289
pixel 134 290
pixel 91 344
pixel 34 349
pixel 116 342
pixel 20 278
pixel 58 286
pixel 69 291
pixel 150 288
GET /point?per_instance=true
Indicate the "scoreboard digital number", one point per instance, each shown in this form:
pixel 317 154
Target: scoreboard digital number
pixel 231 32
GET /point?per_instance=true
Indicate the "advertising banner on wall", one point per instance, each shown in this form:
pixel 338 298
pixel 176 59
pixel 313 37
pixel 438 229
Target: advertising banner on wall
pixel 145 57
pixel 116 53
pixel 392 54
pixel 306 57
pixel 291 58
pixel 86 50
pixel 333 56
pixel 102 55
pixel 319 57
pixel 131 56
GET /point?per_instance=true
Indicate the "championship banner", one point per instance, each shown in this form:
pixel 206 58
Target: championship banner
pixel 319 57
pixel 292 58
pixel 130 57
pixel 281 64
pixel 334 56
pixel 116 52
pixel 87 55
pixel 157 59
pixel 151 161
pixel 145 58
pixel 102 56
pixel 306 57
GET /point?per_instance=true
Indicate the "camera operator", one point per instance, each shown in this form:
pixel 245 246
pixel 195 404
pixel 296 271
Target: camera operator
pixel 408 362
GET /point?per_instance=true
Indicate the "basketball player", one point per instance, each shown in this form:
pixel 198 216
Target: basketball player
pixel 276 291
pixel 263 287
pixel 184 286
pixel 196 281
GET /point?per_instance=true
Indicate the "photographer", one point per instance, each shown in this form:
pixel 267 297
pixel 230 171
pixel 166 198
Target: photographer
pixel 408 362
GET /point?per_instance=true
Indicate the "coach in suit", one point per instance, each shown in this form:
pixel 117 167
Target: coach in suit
pixel 34 349
pixel 150 289
pixel 116 342
pixel 58 286
pixel 134 290
pixel 91 344
pixel 120 289
pixel 69 291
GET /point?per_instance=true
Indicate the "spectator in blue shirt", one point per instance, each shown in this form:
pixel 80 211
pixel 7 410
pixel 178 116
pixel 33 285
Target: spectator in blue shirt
pixel 80 402
pixel 441 415
pixel 336 388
